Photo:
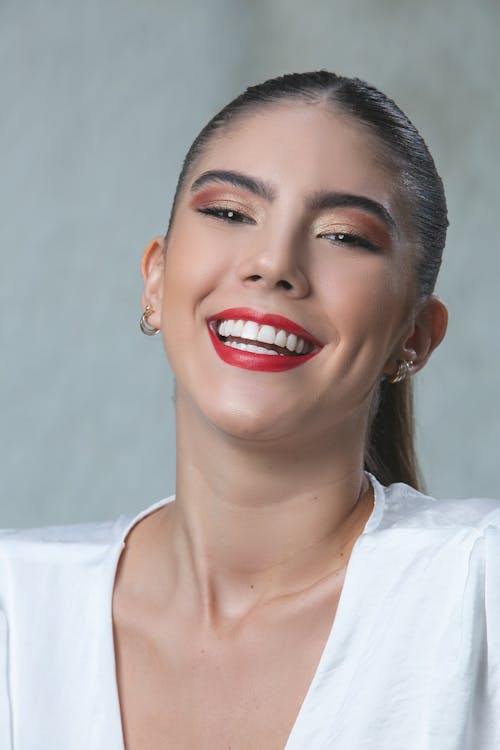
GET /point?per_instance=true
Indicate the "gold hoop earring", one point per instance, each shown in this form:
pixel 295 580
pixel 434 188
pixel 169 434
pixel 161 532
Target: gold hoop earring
pixel 146 327
pixel 402 372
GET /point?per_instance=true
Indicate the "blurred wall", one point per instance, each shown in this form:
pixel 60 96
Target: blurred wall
pixel 99 102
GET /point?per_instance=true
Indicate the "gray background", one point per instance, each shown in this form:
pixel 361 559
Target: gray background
pixel 100 100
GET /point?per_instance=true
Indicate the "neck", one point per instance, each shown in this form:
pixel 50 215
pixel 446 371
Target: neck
pixel 254 520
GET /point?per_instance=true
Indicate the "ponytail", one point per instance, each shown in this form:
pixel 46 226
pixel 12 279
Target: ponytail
pixel 390 452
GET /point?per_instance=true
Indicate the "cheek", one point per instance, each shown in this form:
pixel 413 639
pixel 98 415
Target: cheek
pixel 191 264
pixel 194 266
pixel 366 299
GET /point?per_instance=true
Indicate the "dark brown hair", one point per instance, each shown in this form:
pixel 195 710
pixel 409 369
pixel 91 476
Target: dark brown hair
pixel 390 451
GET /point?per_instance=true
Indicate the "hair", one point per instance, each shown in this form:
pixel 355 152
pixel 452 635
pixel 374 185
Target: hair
pixel 389 450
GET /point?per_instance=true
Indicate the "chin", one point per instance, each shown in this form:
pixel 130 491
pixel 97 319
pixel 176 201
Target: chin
pixel 247 423
pixel 252 418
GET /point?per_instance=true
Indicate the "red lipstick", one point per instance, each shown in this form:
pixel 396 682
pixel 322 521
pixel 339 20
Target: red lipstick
pixel 262 362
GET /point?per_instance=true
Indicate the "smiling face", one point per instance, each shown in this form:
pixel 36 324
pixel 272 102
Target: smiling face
pixel 288 212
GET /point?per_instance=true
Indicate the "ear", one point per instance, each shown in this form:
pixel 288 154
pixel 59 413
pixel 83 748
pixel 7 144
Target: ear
pixel 152 275
pixel 427 331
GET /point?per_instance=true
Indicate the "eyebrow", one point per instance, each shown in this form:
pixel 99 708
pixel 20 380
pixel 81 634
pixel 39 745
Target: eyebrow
pixel 327 199
pixel 236 179
pixel 318 201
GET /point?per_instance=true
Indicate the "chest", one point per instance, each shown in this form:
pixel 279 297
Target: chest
pixel 240 692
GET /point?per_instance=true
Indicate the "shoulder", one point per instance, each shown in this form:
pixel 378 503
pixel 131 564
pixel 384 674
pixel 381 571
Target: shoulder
pixel 406 507
pixel 446 549
pixel 55 568
pixel 36 542
pixel 69 543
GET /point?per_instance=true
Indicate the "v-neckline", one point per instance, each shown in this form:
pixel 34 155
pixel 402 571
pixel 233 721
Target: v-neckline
pixel 330 651
pixel 333 635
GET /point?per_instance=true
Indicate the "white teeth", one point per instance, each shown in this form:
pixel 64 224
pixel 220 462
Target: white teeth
pixel 267 335
pixel 280 339
pixel 250 330
pixel 251 348
pixel 237 327
pixel 260 350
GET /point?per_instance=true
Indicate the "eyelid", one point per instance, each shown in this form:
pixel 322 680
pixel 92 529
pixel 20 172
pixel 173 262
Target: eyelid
pixel 221 195
pixel 357 239
pixel 227 204
pixel 368 229
pixel 211 209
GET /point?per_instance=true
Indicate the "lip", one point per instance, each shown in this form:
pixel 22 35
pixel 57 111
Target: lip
pixel 261 362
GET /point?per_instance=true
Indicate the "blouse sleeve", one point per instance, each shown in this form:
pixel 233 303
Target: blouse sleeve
pixel 491 695
pixel 5 711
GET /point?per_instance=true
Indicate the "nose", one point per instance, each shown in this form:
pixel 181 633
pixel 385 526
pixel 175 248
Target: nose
pixel 277 265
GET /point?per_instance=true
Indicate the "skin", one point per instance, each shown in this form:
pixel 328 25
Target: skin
pixel 215 591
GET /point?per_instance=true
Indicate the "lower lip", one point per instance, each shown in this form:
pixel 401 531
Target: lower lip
pixel 252 361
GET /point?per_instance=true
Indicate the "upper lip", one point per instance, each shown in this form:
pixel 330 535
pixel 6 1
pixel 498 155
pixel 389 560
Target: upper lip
pixel 272 319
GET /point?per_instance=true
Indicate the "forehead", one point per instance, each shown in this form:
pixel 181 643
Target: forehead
pixel 302 148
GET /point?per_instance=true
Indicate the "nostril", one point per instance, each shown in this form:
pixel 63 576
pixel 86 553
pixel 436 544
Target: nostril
pixel 282 282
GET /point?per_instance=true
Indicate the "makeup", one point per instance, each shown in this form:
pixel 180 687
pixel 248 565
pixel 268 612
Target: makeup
pixel 290 338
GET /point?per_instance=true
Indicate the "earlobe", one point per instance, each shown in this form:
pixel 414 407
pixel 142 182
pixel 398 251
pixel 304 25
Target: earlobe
pixel 429 329
pixel 152 274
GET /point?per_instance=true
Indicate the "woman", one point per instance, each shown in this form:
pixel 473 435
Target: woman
pixel 285 596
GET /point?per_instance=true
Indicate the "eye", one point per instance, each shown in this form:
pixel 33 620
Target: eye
pixel 226 214
pixel 347 238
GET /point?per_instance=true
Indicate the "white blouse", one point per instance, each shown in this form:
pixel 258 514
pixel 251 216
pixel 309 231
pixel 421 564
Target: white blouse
pixel 412 661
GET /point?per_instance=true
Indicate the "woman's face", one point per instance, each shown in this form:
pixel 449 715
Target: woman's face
pixel 288 212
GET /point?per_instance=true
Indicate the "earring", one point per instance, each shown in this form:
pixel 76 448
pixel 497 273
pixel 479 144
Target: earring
pixel 404 367
pixel 146 327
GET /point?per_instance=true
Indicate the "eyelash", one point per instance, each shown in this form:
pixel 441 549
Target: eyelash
pixel 226 214
pixel 237 217
pixel 346 238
